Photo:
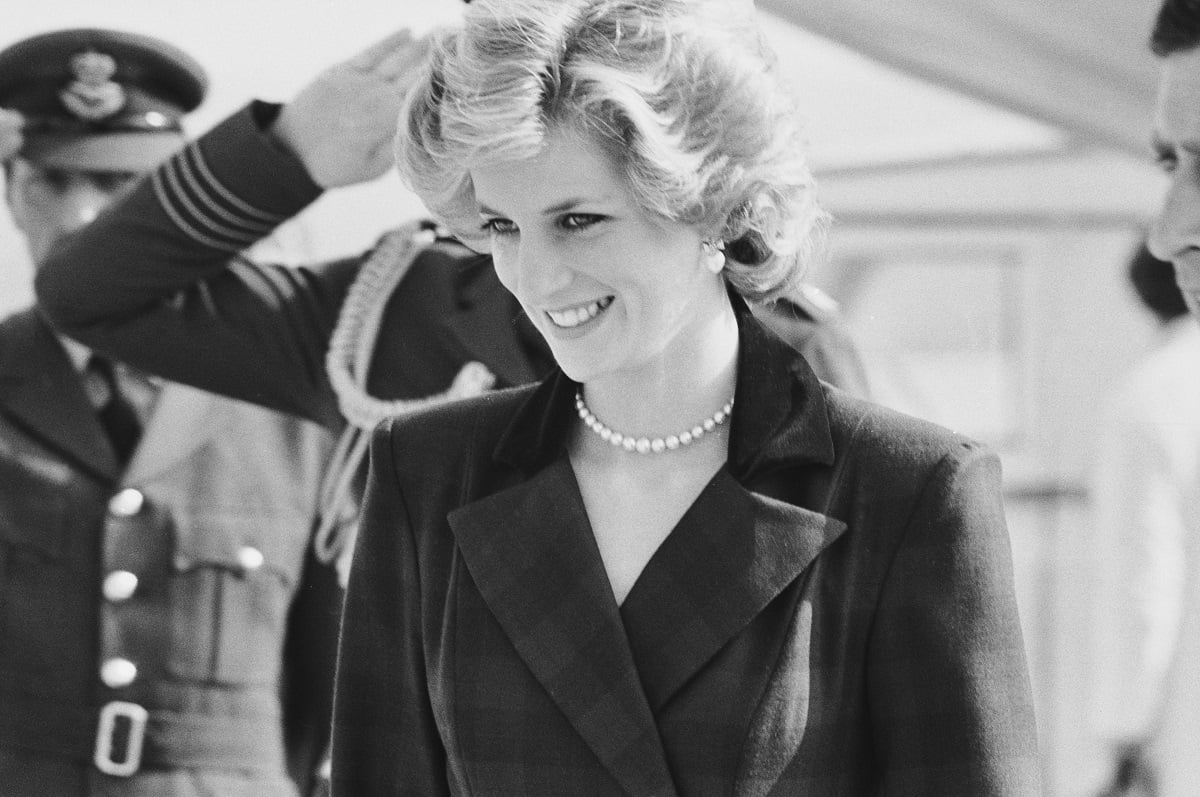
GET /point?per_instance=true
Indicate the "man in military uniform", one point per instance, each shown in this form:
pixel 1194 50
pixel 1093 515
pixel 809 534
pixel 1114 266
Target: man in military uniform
pixel 154 539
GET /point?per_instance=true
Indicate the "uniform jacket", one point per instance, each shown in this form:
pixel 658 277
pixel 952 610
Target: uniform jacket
pixel 212 518
pixel 833 616
pixel 157 283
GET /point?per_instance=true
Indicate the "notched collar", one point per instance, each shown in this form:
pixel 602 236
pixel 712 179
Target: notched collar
pixel 530 551
pixel 732 553
pixel 531 554
pixel 40 387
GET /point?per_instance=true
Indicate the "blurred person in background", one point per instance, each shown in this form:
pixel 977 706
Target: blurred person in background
pixel 1145 495
pixel 1171 748
pixel 164 631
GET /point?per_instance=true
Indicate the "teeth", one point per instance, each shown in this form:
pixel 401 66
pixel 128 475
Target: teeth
pixel 575 316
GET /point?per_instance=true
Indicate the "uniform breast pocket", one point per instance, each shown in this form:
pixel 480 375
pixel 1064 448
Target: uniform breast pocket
pixel 231 585
pixel 49 517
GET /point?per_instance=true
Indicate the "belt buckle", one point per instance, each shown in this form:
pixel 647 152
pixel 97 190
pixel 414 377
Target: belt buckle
pixel 136 735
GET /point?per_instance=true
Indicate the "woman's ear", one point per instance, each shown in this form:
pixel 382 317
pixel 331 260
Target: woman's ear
pixel 712 253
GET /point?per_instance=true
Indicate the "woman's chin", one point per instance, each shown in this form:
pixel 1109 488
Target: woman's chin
pixel 577 369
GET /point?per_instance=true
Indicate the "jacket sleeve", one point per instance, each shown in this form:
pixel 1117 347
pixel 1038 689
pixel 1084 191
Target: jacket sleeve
pixel 156 280
pixel 385 741
pixel 948 686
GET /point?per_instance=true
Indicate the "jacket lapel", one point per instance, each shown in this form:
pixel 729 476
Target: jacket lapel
pixel 41 390
pixel 757 527
pixel 754 529
pixel 781 718
pixel 531 553
pixel 731 554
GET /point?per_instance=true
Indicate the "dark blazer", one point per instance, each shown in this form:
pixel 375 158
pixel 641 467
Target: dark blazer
pixel 216 537
pixel 833 616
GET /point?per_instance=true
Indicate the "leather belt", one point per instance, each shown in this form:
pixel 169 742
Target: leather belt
pixel 121 738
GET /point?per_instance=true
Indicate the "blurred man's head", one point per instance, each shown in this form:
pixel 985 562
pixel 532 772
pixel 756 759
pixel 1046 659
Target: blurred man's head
pixel 1176 233
pixel 100 109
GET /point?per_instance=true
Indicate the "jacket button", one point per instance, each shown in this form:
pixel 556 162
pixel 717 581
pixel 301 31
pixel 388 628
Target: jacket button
pixel 119 585
pixel 118 672
pixel 250 558
pixel 126 503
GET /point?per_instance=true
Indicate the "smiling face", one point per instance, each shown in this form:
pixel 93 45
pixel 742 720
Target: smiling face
pixel 1176 233
pixel 615 290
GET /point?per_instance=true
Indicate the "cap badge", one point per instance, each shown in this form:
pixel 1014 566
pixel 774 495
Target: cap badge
pixel 93 94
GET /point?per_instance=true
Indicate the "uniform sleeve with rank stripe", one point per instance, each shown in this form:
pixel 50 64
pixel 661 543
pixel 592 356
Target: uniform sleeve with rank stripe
pixel 213 190
pixel 155 281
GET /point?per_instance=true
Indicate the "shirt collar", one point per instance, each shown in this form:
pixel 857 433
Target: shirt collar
pixel 76 351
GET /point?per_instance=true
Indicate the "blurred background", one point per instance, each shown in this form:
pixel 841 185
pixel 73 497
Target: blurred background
pixel 988 168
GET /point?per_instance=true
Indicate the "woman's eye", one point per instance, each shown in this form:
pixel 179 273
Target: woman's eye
pixel 579 221
pixel 498 227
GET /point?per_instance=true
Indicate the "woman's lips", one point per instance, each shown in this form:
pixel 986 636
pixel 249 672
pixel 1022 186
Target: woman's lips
pixel 576 316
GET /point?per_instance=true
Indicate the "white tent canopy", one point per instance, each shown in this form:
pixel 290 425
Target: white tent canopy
pixel 1081 65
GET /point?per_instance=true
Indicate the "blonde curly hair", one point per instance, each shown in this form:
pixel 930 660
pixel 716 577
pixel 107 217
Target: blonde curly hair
pixel 680 93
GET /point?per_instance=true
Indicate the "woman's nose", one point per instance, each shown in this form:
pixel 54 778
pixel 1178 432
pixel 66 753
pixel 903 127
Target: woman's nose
pixel 539 270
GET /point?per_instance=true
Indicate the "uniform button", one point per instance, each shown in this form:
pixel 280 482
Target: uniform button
pixel 119 585
pixel 116 673
pixel 250 558
pixel 126 503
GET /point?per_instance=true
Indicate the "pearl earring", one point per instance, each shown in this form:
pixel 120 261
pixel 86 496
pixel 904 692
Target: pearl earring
pixel 714 254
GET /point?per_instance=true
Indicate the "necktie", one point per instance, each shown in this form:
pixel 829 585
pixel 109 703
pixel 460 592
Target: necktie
pixel 117 414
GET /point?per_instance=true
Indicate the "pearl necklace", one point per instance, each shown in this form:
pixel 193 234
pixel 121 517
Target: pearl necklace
pixel 650 445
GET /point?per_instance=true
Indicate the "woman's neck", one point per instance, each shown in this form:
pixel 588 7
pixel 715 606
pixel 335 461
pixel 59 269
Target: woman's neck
pixel 683 387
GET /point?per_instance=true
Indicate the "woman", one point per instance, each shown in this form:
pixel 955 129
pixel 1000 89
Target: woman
pixel 680 564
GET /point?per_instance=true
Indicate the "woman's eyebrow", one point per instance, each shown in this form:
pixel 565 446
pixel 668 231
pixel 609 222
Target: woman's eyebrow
pixel 557 207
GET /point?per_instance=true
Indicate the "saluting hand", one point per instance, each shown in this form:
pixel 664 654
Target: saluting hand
pixel 10 133
pixel 341 126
